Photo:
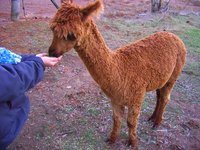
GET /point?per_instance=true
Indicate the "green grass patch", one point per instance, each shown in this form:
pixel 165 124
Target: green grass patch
pixel 193 68
pixel 93 112
pixel 89 136
pixel 192 40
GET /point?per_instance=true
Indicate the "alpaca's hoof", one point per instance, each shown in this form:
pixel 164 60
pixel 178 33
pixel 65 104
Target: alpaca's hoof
pixel 133 144
pixel 155 126
pixel 110 141
pixel 152 119
pixel 156 122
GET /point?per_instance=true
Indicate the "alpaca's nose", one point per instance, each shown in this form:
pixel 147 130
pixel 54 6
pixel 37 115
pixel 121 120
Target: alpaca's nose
pixel 52 52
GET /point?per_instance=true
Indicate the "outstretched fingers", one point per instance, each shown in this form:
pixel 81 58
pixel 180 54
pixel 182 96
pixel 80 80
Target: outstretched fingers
pixel 49 61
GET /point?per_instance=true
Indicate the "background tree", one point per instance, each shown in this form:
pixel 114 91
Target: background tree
pixel 15 10
pixel 155 5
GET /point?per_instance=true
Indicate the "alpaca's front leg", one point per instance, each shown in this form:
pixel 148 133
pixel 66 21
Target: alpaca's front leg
pixel 133 116
pixel 118 112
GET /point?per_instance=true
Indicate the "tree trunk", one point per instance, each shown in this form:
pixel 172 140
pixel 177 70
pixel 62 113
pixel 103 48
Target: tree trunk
pixel 15 10
pixel 155 5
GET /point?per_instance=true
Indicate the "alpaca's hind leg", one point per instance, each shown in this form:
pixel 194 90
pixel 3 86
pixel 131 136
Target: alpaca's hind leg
pixel 162 102
pixel 163 94
pixel 153 116
pixel 118 112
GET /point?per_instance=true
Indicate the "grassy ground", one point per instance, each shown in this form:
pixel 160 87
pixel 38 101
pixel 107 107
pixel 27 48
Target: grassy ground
pixel 69 111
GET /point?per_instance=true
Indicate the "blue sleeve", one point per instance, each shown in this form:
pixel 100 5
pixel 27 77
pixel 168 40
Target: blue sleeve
pixel 19 78
pixel 27 56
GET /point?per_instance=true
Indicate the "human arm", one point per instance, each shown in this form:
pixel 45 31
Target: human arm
pixel 19 78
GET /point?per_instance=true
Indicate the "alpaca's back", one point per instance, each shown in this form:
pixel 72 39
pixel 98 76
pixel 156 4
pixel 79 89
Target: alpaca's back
pixel 153 59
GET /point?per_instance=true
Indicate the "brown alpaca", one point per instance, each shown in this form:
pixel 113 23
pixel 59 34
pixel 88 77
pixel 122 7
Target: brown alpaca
pixel 125 74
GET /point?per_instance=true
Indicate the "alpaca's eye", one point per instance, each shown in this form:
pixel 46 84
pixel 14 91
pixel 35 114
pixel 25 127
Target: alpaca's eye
pixel 70 37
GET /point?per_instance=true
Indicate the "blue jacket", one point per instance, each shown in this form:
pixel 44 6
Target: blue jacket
pixel 15 80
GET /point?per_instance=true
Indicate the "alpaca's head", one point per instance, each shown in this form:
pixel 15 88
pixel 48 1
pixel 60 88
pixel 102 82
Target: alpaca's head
pixel 70 25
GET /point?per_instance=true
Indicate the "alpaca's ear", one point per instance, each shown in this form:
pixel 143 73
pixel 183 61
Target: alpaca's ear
pixel 91 9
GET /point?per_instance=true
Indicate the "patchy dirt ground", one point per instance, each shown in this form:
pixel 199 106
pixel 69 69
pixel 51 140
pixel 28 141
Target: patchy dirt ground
pixel 69 111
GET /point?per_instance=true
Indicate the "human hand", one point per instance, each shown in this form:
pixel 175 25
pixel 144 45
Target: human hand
pixel 49 61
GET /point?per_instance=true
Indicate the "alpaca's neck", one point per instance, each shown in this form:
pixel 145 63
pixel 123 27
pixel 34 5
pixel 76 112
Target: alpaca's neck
pixel 95 54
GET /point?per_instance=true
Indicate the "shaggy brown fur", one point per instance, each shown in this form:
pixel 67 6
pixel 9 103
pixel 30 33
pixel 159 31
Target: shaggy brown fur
pixel 125 74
